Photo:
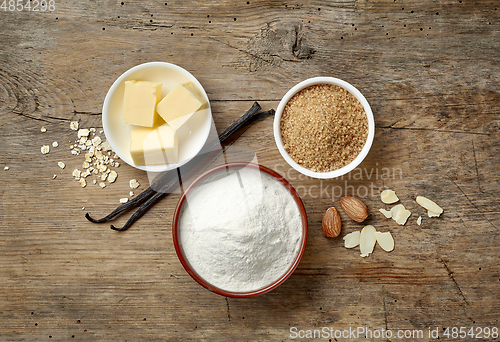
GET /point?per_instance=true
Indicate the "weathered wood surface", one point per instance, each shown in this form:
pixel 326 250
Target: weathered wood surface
pixel 430 71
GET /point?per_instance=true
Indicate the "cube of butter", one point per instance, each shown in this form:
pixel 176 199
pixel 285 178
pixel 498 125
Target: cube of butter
pixel 139 102
pixel 178 106
pixel 154 146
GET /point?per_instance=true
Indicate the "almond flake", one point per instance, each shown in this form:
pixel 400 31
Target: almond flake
pixel 432 214
pixel 400 214
pixel 419 220
pixel 43 129
pixel 389 197
pixel 386 213
pixel 55 144
pixel 124 200
pixel 6 168
pixel 432 207
pixel 385 241
pixel 367 240
pixel 131 193
pixel 45 149
pixel 351 240
pixel 54 176
pixel 83 183
pixel 102 185
pixel 73 125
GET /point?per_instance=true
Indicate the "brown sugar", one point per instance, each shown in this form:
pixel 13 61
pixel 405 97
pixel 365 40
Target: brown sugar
pixel 323 127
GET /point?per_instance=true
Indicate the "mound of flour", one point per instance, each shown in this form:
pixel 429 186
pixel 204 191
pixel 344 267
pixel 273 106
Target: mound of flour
pixel 240 230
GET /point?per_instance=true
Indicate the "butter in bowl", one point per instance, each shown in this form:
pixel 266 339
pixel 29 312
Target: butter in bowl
pixel 156 116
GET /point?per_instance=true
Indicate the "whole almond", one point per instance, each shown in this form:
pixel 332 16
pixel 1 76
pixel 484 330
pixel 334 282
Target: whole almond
pixel 331 223
pixel 354 208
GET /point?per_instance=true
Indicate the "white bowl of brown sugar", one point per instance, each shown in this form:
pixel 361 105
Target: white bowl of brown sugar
pixel 324 127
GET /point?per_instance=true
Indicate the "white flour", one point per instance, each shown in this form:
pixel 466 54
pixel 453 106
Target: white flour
pixel 241 238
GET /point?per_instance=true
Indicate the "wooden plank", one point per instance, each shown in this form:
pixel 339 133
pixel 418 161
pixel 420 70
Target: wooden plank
pixel 430 73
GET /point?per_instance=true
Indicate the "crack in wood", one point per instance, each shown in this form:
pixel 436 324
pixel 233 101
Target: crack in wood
pixel 385 314
pixel 144 28
pixel 85 113
pixel 450 274
pixel 56 118
pixel 29 117
pixel 244 51
pixel 431 130
pixel 475 164
pixel 228 311
pixel 470 201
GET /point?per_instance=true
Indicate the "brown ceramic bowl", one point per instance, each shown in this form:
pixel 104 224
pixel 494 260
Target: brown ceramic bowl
pixel 183 259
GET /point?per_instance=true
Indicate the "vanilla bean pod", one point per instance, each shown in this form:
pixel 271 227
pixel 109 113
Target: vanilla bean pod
pixel 169 179
pixel 169 186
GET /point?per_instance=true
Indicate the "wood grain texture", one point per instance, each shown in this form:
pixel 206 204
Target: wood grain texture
pixel 430 71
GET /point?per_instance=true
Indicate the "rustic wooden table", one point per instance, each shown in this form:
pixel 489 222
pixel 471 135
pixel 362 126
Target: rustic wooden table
pixel 430 71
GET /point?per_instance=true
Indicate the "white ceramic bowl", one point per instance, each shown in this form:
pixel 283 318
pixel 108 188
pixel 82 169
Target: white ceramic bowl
pixel 353 91
pixel 192 135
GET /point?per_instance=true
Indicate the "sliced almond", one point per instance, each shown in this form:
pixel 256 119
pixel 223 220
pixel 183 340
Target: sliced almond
pixel 431 214
pixel 386 213
pixel 385 241
pixel 429 205
pixel 400 214
pixel 419 220
pixel 351 240
pixel 389 197
pixel 367 240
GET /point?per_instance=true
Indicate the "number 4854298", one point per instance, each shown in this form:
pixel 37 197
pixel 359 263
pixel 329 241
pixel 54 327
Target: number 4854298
pixel 474 332
pixel 35 5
